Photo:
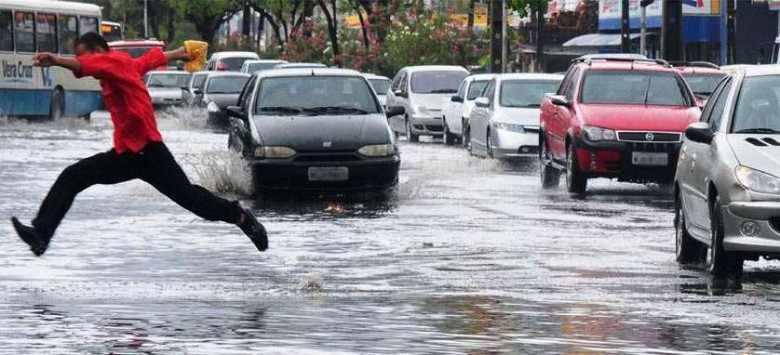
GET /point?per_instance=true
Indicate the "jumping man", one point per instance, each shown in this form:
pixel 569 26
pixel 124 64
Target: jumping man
pixel 138 153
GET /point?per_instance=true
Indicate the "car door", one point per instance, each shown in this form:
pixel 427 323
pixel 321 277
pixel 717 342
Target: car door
pixel 396 122
pixel 563 117
pixel 452 109
pixel 697 162
pixel 240 136
pixel 479 120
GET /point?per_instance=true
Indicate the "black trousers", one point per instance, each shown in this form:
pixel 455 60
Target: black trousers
pixel 154 164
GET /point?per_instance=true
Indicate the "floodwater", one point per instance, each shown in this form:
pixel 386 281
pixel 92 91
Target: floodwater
pixel 467 256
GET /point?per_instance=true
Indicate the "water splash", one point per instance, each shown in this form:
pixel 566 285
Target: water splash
pixel 312 282
pixel 221 171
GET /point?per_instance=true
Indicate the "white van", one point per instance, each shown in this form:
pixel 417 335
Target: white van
pixel 229 61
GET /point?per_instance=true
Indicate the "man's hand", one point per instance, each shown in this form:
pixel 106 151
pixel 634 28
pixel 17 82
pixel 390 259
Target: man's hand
pixel 178 54
pixel 44 60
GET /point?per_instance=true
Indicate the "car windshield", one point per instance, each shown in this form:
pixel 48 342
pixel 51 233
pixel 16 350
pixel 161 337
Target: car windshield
pixel 253 67
pixel 168 80
pixel 703 84
pixel 476 88
pixel 525 93
pixel 757 109
pixel 198 80
pixel 226 84
pixel 437 82
pixel 314 96
pixel 381 86
pixel 135 52
pixel 232 64
pixel 633 87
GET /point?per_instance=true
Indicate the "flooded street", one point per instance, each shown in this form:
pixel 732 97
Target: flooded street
pixel 467 256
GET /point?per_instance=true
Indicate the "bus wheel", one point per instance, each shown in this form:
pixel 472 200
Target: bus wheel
pixel 57 105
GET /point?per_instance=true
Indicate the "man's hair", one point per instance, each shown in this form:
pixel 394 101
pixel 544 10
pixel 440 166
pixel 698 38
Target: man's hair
pixel 92 41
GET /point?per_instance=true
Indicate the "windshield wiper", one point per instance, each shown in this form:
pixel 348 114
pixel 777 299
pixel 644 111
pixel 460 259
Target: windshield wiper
pixel 336 109
pixel 222 92
pixel 524 106
pixel 281 109
pixel 443 91
pixel 757 130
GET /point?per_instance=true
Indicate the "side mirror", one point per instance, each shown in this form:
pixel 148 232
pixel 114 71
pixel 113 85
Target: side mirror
pixel 560 100
pixel 395 111
pixel 456 98
pixel 197 92
pixel 699 132
pixel 235 111
pixel 482 102
pixel 400 93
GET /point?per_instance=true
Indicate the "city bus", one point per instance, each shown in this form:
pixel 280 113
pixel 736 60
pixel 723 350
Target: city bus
pixel 31 26
pixel 111 31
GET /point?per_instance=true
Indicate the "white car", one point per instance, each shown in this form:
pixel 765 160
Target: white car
pixel 456 110
pixel 229 61
pixel 505 121
pixel 166 86
pixel 420 90
pixel 381 85
pixel 255 65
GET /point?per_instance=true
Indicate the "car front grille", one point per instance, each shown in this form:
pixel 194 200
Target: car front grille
pixel 666 137
pixel 652 147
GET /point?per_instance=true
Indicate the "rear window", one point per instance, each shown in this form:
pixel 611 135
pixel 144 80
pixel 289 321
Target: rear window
pixel 437 82
pixel 253 67
pixel 525 93
pixel 231 64
pixel 168 80
pixel 703 84
pixel 633 87
pixel 226 84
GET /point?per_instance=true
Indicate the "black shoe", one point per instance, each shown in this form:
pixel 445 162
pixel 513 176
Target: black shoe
pixel 254 230
pixel 38 242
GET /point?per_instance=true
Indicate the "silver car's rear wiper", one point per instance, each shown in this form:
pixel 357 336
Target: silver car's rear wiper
pixel 757 130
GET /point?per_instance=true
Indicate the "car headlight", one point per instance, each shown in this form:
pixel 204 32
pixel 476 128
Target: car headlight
pixel 599 134
pixel 512 127
pixel 757 181
pixel 212 107
pixel 378 150
pixel 274 152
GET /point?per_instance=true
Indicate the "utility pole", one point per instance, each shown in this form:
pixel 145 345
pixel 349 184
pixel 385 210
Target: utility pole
pixel 625 28
pixel 504 39
pixel 146 21
pixel 731 25
pixel 643 29
pixel 495 35
pixel 540 40
pixel 671 31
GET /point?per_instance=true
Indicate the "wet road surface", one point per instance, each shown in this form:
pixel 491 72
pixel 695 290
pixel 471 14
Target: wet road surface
pixel 468 256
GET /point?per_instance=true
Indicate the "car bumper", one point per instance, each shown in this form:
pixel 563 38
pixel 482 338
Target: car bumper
pixel 427 125
pixel 613 159
pixel 509 144
pixel 161 102
pixel 365 174
pixel 765 214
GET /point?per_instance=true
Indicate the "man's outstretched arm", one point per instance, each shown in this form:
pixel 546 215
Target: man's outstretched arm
pixel 50 59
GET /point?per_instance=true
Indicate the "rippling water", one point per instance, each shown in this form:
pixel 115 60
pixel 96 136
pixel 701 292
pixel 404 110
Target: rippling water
pixel 467 256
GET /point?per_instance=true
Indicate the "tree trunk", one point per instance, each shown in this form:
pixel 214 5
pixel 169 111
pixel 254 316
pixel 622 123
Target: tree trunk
pixel 246 20
pixel 470 23
pixel 332 28
pixel 171 25
pixel 364 29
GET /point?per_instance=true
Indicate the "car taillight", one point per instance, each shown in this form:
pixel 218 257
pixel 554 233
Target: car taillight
pixel 221 66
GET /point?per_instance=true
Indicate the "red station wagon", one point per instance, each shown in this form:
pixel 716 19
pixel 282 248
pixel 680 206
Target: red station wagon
pixel 613 117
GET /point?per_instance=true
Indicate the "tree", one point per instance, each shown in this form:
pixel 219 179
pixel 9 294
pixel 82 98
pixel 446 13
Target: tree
pixel 528 7
pixel 207 16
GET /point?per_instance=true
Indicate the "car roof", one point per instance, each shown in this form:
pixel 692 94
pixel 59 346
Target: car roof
pixel 473 77
pixel 177 72
pixel 759 70
pixel 699 70
pixel 250 61
pixel 530 76
pixel 227 73
pixel 419 68
pixel 292 72
pixel 375 77
pixel 221 55
pixel 299 65
pixel 625 65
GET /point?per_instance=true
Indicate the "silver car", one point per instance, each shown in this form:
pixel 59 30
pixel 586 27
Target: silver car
pixel 505 120
pixel 166 86
pixel 727 185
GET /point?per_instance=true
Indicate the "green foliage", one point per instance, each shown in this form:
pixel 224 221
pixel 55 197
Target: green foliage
pixel 526 7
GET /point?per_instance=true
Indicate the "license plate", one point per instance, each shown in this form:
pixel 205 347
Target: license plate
pixel 650 159
pixel 328 173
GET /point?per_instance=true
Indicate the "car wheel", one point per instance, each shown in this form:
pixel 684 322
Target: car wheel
pixel 576 181
pixel 56 107
pixel 687 249
pixel 467 138
pixel 411 136
pixel 449 139
pixel 551 176
pixel 488 146
pixel 722 263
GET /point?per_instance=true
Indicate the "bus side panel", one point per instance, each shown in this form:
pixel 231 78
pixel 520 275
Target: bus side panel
pixel 81 103
pixel 20 102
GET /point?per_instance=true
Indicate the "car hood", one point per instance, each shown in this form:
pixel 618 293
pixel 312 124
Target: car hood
pixel 519 115
pixel 165 92
pixel 310 133
pixel 430 101
pixel 222 100
pixel 764 157
pixel 639 117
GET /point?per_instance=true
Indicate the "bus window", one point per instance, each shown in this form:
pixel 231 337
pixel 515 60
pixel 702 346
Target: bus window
pixel 46 33
pixel 88 24
pixel 6 31
pixel 68 32
pixel 25 37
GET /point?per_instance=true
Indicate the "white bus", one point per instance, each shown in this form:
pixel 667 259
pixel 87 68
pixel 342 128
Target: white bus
pixel 30 26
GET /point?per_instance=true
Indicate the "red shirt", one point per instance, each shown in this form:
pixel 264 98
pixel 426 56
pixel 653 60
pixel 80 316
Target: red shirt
pixel 125 95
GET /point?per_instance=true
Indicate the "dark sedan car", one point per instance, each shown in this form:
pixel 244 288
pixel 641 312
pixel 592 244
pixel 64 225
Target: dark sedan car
pixel 314 129
pixel 220 90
